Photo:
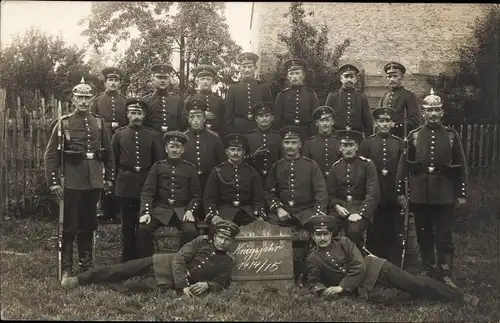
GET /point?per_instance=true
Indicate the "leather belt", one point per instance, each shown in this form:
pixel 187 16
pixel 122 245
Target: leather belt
pixel 90 155
pixel 136 169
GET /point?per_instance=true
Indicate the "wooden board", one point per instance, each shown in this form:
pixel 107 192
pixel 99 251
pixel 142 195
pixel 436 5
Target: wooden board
pixel 263 252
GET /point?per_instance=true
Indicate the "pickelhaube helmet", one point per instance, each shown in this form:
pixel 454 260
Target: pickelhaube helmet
pixel 82 89
pixel 432 101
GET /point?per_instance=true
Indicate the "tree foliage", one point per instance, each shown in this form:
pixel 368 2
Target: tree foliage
pixel 310 43
pixel 44 63
pixel 472 94
pixel 196 31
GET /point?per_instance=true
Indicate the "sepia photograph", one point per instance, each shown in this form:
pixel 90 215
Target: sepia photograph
pixel 249 161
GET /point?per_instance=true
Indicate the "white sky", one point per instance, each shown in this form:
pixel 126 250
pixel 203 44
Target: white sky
pixel 61 18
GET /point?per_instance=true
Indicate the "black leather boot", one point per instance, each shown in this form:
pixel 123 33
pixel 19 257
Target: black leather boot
pixel 85 246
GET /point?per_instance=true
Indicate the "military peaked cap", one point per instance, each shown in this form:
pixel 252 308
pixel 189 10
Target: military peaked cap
pixel 162 69
pixel 237 140
pixel 323 112
pixel 227 228
pixel 263 107
pixel 394 66
pixel 136 104
pixel 295 64
pixel 383 113
pixel 196 105
pixel 176 137
pixel 348 69
pixel 248 57
pixel 112 72
pixel 319 223
pixel 205 70
pixel 290 132
pixel 347 136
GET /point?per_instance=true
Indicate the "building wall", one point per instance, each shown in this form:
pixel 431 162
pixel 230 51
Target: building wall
pixel 423 37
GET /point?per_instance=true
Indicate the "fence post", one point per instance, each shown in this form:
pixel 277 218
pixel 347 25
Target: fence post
pixel 469 139
pixel 3 165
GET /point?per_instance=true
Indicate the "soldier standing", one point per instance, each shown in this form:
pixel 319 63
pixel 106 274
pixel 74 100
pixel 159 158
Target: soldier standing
pixel 136 148
pixel 214 115
pixel 352 110
pixel 170 196
pixel 353 189
pixel 264 142
pixel 165 110
pixel 111 106
pixel 323 148
pixel 295 104
pixel 438 183
pixel 86 152
pixel 385 150
pixel 295 190
pixel 400 99
pixel 234 188
pixel 243 96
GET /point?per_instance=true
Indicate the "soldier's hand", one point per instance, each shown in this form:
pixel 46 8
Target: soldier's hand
pixel 216 219
pixel 262 150
pixel 460 201
pixel 209 115
pixel 283 215
pixel 199 288
pixel 342 211
pixel 187 291
pixel 188 216
pixel 402 202
pixel 354 217
pixel 57 191
pixel 108 185
pixel 146 218
pixel 332 290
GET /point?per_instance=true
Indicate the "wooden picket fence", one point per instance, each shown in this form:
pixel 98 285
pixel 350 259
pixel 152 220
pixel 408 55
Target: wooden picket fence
pixel 24 132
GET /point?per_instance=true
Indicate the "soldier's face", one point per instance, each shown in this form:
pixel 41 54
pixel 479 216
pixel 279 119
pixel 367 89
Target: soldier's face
pixel 161 81
pixel 222 242
pixel 81 102
pixel 264 120
pixel 292 146
pixel 348 79
pixel 247 70
pixel 174 150
pixel 395 79
pixel 196 120
pixel 433 115
pixel 384 125
pixel 112 83
pixel 235 154
pixel 296 77
pixel 325 125
pixel 348 149
pixel 135 117
pixel 322 238
pixel 204 83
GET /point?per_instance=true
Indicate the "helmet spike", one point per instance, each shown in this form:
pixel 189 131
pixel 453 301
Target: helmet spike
pixel 82 81
pixel 432 91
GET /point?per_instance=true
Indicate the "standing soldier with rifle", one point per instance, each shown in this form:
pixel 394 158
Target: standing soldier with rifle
pixel 437 173
pixel 136 148
pixel 111 106
pixel 86 145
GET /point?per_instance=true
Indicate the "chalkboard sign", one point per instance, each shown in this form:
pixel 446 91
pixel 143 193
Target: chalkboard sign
pixel 262 251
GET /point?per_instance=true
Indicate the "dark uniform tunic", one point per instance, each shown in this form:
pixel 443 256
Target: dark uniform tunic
pixel 234 192
pixel 83 132
pixel 323 150
pixel 196 261
pixel 294 107
pixel 135 149
pixel 165 112
pixel 372 278
pixel 171 188
pixel 240 101
pixel 352 111
pixel 385 151
pixel 434 187
pixel 398 99
pixel 353 184
pixel 111 106
pixel 215 104
pixel 271 140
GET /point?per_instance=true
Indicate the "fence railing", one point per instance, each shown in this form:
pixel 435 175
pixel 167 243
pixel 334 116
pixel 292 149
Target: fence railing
pixel 24 132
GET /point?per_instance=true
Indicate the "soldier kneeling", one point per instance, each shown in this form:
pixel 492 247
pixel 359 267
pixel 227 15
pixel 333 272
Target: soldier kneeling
pixel 202 265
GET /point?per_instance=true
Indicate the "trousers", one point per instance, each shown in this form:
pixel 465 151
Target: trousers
pixel 355 231
pixel 129 213
pixel 382 235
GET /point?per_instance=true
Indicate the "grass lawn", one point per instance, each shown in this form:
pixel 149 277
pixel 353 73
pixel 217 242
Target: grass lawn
pixel 29 289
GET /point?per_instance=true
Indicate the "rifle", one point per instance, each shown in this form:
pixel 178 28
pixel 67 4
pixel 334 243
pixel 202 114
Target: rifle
pixel 60 228
pixel 405 211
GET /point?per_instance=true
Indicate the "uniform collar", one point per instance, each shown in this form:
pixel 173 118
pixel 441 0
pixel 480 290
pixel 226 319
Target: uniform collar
pixel 111 93
pixel 350 161
pixel 205 92
pixel 172 161
pixel 81 113
pixel 434 127
pixel 289 158
pixel 263 131
pixel 397 88
pixel 383 136
pixel 197 131
pixel 297 87
pixel 350 90
pixel 160 92
pixel 326 136
pixel 135 127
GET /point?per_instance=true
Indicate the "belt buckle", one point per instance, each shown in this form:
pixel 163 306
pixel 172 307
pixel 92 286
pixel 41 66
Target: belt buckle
pixel 236 203
pixel 250 116
pixel 296 121
pixel 171 202
pixel 347 128
pixel 326 173
pixel 264 172
pixel 209 125
pixel 89 155
pixel 291 203
pixel 200 172
pixel 349 198
pixel 384 172
pixel 137 168
pixel 164 128
pixel 114 124
pixel 431 169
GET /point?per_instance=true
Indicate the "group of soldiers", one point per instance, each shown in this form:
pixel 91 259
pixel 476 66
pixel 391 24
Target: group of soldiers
pixel 291 162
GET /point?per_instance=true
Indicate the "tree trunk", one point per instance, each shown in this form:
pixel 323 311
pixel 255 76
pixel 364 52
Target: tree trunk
pixel 182 83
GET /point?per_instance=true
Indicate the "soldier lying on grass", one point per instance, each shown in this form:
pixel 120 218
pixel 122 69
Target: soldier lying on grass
pixel 337 268
pixel 202 265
